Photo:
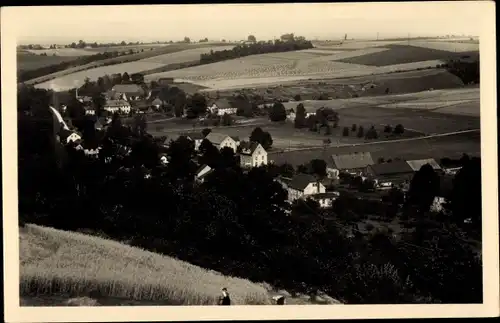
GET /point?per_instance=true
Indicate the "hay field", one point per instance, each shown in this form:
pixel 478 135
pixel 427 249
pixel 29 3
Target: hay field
pixel 62 52
pixel 57 262
pixel 400 54
pixel 450 46
pixel 469 108
pixel 183 56
pixel 75 79
pixel 27 62
pixel 355 44
pixel 135 48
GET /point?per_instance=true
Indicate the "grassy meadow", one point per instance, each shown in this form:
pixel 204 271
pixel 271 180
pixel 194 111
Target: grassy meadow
pixel 55 262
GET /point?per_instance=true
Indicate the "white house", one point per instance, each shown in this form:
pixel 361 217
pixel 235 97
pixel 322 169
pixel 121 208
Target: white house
pixel 221 107
pixel 196 137
pixel 202 172
pixel 302 186
pixel 89 111
pixel 220 140
pixel 129 91
pixel 120 106
pixel 252 155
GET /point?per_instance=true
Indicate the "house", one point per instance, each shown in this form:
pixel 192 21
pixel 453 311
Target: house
pixel 302 186
pixel 120 106
pixel 129 91
pixel 140 105
pixel 252 154
pixel 354 163
pixel 66 136
pixel 221 107
pixel 202 172
pixel 396 172
pixel 196 137
pixel 451 170
pixel 417 164
pixel 220 140
pixel 237 140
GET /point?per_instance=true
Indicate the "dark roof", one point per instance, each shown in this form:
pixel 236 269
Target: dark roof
pixel 128 89
pixel 138 104
pixel 300 181
pixel 223 104
pixel 248 148
pixel 392 168
pixel 116 103
pixel 235 138
pixel 351 161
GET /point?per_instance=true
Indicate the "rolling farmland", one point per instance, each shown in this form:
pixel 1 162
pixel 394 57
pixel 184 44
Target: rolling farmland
pixel 26 61
pixel 62 51
pixel 184 55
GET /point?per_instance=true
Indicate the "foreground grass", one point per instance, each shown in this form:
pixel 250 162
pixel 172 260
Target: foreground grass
pixel 56 262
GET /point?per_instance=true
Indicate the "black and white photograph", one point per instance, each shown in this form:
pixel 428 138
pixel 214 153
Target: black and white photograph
pixel 179 158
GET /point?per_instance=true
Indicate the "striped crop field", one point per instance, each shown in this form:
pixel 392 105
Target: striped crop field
pixel 55 262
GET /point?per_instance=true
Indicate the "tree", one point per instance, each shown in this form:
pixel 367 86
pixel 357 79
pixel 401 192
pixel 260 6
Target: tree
pixel 353 128
pixel 251 38
pixel 210 155
pixel 300 116
pixel 361 132
pixel 277 112
pixel 262 137
pixel 227 120
pixel 345 132
pixel 312 122
pixel 137 78
pixel 318 167
pixel 387 128
pixel 140 124
pixel 181 153
pixel 206 131
pixel 187 40
pixel 286 170
pixel 466 193
pixel 424 186
pixel 371 133
pixel 125 78
pixel 99 101
pixel 297 97
pixel 198 104
pixel 399 129
pixel 179 104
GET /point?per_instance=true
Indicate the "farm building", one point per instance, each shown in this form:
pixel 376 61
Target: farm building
pixel 129 91
pixel 202 172
pixel 395 172
pixel 220 140
pixel 237 140
pixel 352 163
pixel 325 199
pixel 417 164
pixel 252 154
pixel 196 137
pixel 221 107
pixel 301 186
pixel 120 106
pixel 157 103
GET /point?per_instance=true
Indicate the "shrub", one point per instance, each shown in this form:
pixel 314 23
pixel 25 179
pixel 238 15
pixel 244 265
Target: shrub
pixel 399 129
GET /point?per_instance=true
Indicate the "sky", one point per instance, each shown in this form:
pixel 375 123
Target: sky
pixel 235 22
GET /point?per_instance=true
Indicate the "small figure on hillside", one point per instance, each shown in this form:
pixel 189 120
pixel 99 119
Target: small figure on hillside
pixel 224 299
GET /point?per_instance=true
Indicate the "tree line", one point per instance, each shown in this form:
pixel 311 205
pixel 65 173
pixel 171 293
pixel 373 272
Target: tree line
pixel 131 195
pixel 243 50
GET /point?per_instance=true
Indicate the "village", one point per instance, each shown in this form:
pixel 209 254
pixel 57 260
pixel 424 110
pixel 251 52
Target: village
pixel 358 172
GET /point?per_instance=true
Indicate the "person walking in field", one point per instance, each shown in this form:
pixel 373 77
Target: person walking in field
pixel 224 299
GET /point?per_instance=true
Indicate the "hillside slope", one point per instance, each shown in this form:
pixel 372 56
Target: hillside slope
pixel 55 262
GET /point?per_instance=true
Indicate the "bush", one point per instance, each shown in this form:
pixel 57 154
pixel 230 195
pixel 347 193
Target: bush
pixel 345 132
pixel 387 128
pixel 399 129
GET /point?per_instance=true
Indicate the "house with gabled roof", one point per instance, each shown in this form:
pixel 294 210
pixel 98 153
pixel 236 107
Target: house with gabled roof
pixel 301 186
pixel 221 107
pixel 120 106
pixel 418 163
pixel 220 140
pixel 354 163
pixel 395 172
pixel 130 91
pixel 252 154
